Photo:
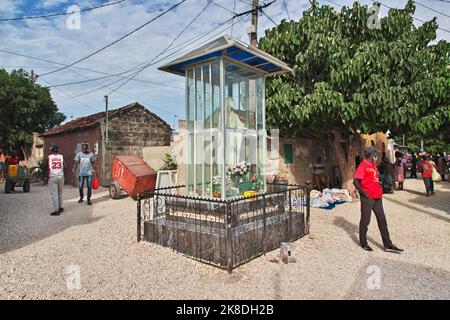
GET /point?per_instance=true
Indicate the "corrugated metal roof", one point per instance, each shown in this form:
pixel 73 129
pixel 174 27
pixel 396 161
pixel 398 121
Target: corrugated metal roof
pixel 92 120
pixel 231 48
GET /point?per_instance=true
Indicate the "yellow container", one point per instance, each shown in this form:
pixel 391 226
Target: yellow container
pixel 13 170
pixel 250 194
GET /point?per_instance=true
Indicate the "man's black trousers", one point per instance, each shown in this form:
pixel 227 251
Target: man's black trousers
pixel 367 205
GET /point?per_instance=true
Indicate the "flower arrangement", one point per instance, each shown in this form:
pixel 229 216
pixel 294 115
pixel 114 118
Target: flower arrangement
pixel 216 186
pixel 238 170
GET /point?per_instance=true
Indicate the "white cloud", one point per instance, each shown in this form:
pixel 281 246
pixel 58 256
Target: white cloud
pixel 52 3
pixel 8 8
pixel 50 39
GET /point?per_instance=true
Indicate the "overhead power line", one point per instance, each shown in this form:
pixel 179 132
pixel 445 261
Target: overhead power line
pixel 234 9
pixel 221 6
pixel 118 40
pixel 420 20
pixel 80 68
pixel 50 15
pixel 172 54
pixel 429 8
pixel 286 8
pixel 273 21
pixel 68 95
pixel 121 93
pixel 162 52
pixel 190 41
pixel 446 1
pixel 263 6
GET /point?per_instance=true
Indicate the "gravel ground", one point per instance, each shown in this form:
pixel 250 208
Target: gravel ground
pixel 36 249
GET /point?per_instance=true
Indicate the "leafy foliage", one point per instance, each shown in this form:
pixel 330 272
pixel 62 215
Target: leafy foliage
pixel 348 78
pixel 25 107
pixel 168 163
pixel 435 142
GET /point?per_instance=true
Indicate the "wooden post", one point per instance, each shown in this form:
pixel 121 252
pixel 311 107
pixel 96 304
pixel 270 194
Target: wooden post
pixel 254 33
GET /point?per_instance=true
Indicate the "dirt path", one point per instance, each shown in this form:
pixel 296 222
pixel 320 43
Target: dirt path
pixel 38 253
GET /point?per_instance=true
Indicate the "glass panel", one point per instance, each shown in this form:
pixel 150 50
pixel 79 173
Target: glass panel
pixel 190 165
pixel 190 111
pixel 252 105
pixel 216 110
pixel 207 97
pixel 259 82
pixel 240 152
pixel 241 140
pixel 199 113
pixel 206 152
pixel 244 100
pixel 190 117
pixel 215 76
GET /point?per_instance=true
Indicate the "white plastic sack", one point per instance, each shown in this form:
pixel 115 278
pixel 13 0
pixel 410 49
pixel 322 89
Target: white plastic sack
pixel 436 176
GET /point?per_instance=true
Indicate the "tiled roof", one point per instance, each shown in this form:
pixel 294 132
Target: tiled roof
pixel 92 120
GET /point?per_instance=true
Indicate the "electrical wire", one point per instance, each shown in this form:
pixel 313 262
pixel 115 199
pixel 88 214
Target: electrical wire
pixel 163 58
pixel 234 9
pixel 191 41
pixel 448 31
pixel 420 20
pixel 116 41
pixel 60 13
pixel 276 24
pixel 429 8
pixel 74 98
pixel 85 69
pixel 162 52
pixel 287 11
pixel 221 6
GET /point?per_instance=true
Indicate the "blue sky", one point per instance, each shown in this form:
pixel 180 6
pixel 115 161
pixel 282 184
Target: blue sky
pixel 51 39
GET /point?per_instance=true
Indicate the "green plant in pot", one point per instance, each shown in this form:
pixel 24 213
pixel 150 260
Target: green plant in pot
pixel 217 187
pixel 168 163
pixel 258 183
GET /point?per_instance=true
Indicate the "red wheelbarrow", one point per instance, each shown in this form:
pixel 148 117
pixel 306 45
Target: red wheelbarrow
pixel 132 175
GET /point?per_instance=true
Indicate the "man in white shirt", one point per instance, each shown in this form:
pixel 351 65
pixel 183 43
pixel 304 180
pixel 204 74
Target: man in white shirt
pixel 56 166
pixel 84 165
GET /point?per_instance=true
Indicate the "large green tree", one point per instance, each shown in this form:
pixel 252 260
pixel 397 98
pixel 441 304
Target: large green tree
pixel 25 107
pixel 350 79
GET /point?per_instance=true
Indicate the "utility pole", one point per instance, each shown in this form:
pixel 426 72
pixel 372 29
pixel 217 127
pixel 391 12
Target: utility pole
pixel 253 29
pixel 313 5
pixel 107 120
pixel 33 75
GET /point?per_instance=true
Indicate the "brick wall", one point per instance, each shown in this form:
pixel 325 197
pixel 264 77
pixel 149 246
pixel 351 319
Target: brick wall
pixel 130 132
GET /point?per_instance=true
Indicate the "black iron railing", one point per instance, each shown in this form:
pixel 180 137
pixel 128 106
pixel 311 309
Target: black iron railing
pixel 225 233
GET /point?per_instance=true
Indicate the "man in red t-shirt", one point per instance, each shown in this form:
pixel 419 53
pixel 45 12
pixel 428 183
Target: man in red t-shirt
pixel 426 168
pixel 368 184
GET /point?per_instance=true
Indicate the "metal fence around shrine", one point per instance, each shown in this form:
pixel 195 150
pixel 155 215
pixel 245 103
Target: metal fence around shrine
pixel 224 233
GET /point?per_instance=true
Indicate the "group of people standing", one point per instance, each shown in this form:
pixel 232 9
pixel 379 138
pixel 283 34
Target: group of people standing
pixel 372 181
pixel 83 167
pixel 394 174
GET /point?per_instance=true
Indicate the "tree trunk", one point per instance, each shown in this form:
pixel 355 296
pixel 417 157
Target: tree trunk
pixel 345 157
